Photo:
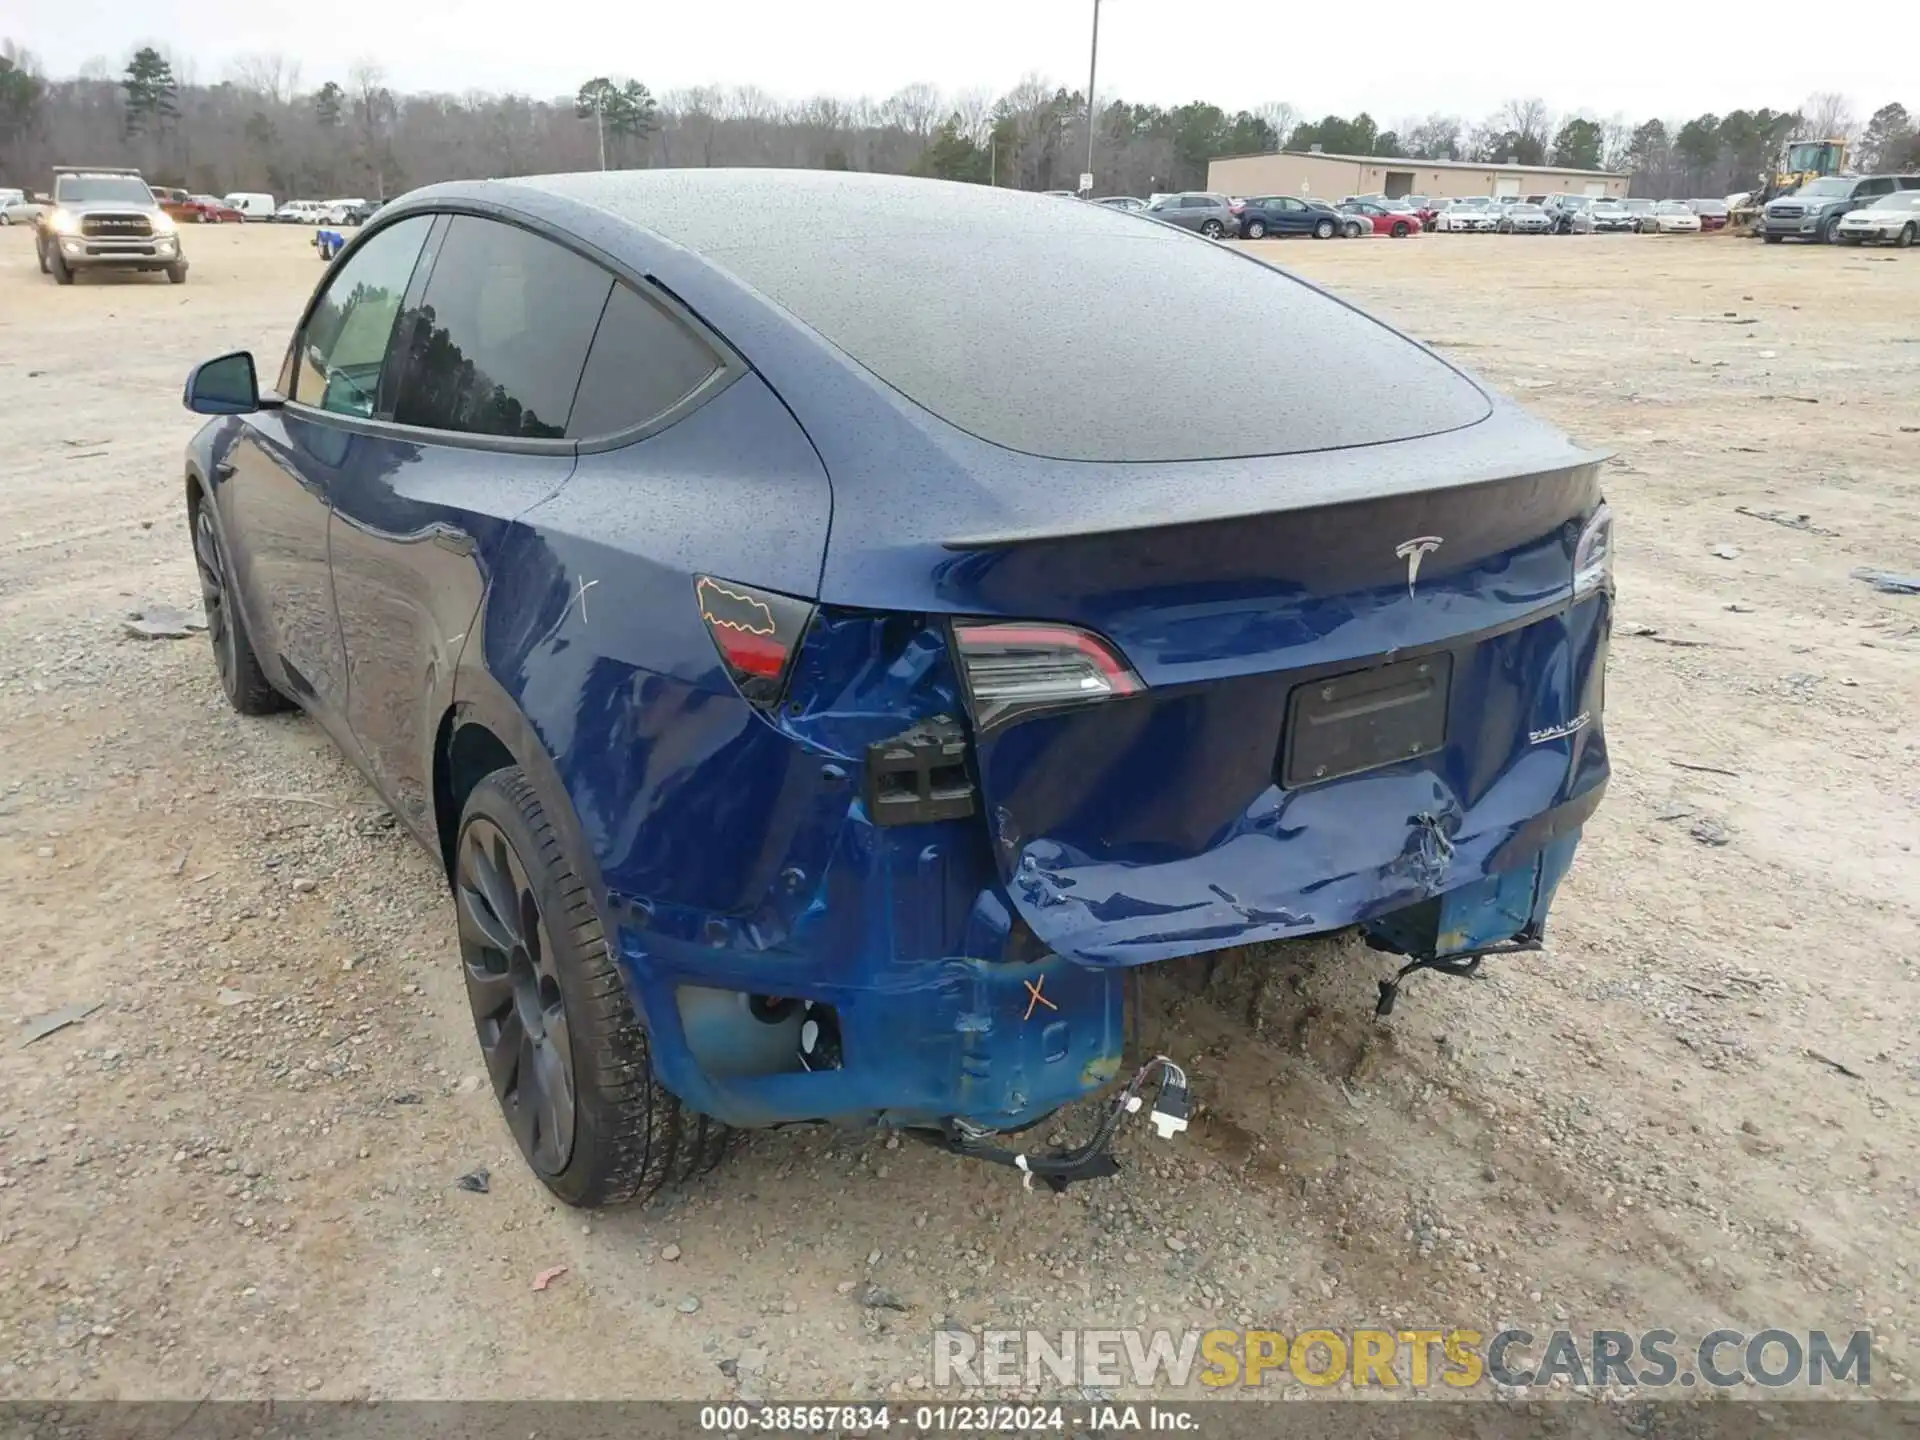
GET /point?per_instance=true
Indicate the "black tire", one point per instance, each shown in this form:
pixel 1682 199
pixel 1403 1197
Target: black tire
pixel 546 965
pixel 1213 229
pixel 1256 230
pixel 61 271
pixel 1401 230
pixel 245 684
pixel 1772 239
pixel 176 274
pixel 1830 231
pixel 1323 230
pixel 1905 238
pixel 40 253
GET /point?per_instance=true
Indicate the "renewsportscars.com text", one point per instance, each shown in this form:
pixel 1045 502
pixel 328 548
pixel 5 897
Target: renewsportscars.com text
pixel 1386 1359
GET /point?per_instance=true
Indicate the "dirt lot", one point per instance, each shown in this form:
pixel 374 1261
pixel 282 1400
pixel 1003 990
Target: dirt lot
pixel 237 1176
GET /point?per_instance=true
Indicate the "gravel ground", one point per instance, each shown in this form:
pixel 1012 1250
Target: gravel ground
pixel 237 1176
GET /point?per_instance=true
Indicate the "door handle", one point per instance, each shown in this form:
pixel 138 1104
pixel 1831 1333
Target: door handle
pixel 448 538
pixel 224 469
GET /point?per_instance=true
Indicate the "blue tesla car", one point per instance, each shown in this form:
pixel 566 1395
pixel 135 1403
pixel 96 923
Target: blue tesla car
pixel 824 662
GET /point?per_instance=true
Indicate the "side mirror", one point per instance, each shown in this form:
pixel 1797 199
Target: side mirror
pixel 226 386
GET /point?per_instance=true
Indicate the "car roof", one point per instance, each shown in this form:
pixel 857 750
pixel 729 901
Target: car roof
pixel 962 298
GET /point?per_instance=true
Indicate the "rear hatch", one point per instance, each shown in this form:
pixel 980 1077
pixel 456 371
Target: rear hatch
pixel 1309 717
pixel 1249 502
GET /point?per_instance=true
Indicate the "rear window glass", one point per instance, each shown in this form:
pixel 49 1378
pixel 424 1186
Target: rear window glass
pixel 1044 328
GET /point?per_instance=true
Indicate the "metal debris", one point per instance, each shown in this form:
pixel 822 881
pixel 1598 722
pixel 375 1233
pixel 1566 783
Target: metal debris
pixel 1834 1065
pixel 1888 583
pixel 1786 518
pixel 875 1297
pixel 42 1026
pixel 163 622
pixel 475 1180
pixel 1709 831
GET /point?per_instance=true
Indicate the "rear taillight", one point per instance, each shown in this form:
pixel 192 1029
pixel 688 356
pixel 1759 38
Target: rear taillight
pixel 1593 555
pixel 1012 668
pixel 757 633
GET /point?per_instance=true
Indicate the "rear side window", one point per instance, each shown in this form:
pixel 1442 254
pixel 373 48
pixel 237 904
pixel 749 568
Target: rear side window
pixel 643 363
pixel 501 335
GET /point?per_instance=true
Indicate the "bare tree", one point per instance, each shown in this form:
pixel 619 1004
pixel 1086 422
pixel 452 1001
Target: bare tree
pixel 1616 143
pixel 374 111
pixel 975 111
pixel 1827 116
pixel 918 109
pixel 267 73
pixel 1280 116
pixel 1435 138
pixel 1528 118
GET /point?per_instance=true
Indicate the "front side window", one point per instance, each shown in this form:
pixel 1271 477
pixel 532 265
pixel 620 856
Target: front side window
pixel 344 345
pixel 501 334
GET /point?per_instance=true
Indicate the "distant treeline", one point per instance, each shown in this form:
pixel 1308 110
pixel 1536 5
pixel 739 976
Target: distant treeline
pixel 259 128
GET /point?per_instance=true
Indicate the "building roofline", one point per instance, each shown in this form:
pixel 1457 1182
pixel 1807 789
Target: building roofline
pixel 1435 164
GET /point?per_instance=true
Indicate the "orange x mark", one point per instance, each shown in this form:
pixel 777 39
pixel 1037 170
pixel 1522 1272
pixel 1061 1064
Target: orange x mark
pixel 1034 997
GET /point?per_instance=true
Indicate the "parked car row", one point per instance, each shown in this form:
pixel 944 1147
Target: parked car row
pixel 182 206
pixel 1821 210
pixel 341 211
pixel 1259 217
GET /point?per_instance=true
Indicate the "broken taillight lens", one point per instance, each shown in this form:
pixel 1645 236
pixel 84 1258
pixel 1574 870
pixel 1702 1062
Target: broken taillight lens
pixel 757 633
pixel 1012 668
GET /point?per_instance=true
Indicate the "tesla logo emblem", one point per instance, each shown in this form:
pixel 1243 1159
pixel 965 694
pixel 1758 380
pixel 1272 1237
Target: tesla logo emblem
pixel 1413 552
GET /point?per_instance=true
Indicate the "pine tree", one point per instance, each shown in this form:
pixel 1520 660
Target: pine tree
pixel 153 97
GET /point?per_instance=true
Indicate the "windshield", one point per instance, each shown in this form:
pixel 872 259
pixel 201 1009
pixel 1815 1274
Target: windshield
pixel 1608 205
pixel 1639 204
pixel 101 190
pixel 1708 207
pixel 1525 209
pixel 1899 200
pixel 1671 207
pixel 1830 187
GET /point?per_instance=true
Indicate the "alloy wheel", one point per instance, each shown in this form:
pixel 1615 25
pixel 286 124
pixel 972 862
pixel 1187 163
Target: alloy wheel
pixel 213 596
pixel 513 986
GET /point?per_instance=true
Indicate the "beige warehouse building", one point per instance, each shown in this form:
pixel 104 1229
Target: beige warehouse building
pixel 1334 177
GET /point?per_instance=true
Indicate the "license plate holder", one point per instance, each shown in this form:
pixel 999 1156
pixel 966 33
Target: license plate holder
pixel 1365 719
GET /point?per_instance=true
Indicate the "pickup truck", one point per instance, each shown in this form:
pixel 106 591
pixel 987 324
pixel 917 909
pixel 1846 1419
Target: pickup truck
pixel 107 219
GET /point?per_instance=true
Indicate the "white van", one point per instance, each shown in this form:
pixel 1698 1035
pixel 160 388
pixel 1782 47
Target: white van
pixel 252 204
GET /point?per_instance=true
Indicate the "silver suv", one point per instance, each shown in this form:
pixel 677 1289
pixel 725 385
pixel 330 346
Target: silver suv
pixel 1214 216
pixel 105 217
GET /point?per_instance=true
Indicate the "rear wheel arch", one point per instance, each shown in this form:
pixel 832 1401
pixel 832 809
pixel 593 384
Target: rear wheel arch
pixel 463 756
pixel 501 735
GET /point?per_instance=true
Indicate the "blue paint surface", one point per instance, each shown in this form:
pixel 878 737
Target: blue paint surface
pixel 402 587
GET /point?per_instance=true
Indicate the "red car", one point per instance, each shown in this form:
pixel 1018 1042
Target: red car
pixel 1397 223
pixel 205 210
pixel 1713 214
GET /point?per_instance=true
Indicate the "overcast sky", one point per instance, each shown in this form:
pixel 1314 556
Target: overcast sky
pixel 1393 58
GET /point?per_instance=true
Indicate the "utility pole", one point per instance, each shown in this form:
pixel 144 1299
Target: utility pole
pixel 600 123
pixel 1093 70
